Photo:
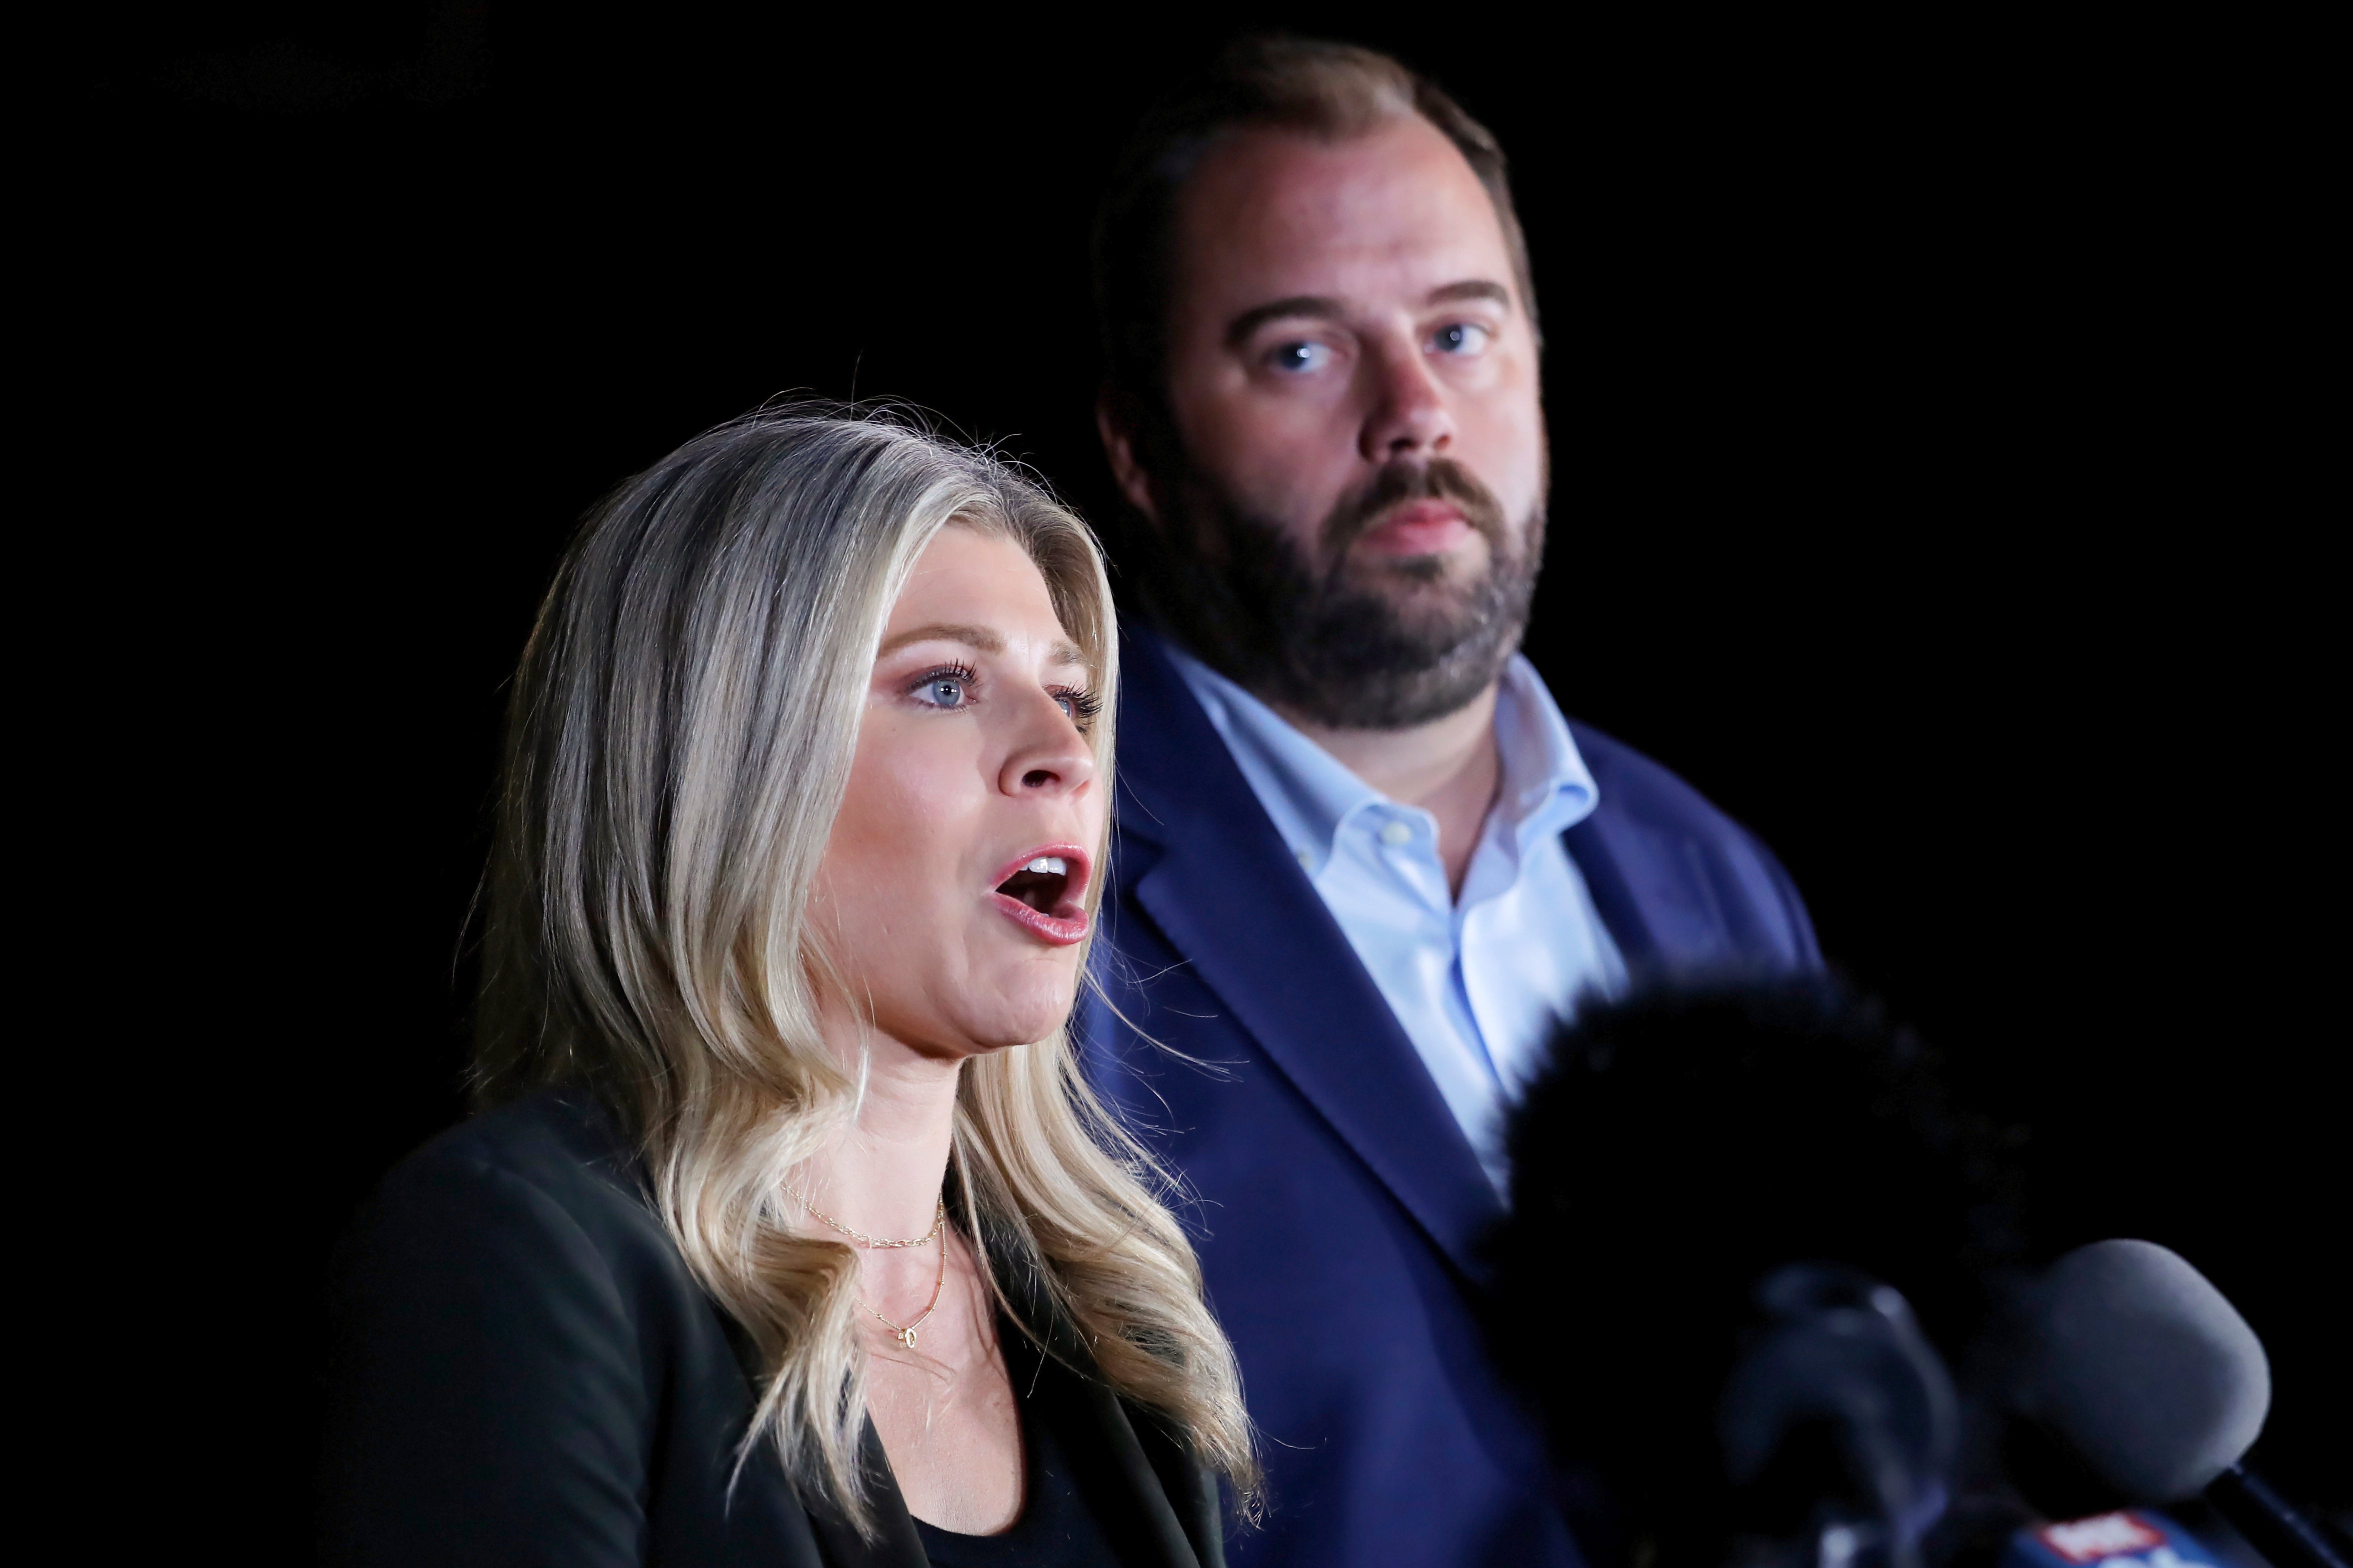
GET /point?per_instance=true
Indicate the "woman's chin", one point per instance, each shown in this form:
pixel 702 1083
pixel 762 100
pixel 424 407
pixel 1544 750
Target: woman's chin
pixel 1020 1019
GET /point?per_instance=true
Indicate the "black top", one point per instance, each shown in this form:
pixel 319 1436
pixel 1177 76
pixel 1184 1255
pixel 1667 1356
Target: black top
pixel 1057 1527
pixel 526 1372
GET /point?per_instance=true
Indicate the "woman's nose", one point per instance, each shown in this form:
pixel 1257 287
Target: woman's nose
pixel 1049 756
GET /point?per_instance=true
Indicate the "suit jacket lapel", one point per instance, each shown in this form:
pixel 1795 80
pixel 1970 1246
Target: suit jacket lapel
pixel 1649 880
pixel 1592 846
pixel 1227 894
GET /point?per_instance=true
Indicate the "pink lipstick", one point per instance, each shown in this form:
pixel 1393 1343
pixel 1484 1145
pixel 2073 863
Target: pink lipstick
pixel 1043 892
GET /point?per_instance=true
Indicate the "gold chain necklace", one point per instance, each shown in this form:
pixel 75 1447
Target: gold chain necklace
pixel 903 1332
pixel 906 1335
pixel 939 1218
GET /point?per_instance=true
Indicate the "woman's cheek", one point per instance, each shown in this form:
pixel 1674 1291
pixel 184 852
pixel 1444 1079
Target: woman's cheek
pixel 897 785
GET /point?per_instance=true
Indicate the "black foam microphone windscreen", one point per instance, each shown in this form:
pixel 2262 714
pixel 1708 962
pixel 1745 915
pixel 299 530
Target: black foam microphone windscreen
pixel 1679 1147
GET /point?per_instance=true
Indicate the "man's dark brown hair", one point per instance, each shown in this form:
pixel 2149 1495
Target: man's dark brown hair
pixel 1332 90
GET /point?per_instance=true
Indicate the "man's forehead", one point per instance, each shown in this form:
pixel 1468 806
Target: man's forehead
pixel 1274 213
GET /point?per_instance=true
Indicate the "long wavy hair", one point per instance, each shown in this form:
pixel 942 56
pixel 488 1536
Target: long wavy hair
pixel 678 741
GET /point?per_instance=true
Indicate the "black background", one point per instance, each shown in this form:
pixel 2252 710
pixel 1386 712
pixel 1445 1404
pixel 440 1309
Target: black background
pixel 1935 416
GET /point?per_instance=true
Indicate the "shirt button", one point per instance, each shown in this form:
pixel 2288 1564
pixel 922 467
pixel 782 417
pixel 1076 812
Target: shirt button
pixel 1394 834
pixel 1307 862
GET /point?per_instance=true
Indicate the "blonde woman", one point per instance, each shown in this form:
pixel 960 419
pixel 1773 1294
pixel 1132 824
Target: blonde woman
pixel 789 1234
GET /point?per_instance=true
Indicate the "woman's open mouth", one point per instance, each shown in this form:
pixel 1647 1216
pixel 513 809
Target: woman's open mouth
pixel 1042 893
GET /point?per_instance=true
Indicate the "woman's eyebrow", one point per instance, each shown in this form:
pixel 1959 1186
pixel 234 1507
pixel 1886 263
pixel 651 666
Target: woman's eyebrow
pixel 980 637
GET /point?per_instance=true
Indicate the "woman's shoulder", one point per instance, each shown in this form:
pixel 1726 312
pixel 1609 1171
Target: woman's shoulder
pixel 562 1141
pixel 546 1182
pixel 522 1368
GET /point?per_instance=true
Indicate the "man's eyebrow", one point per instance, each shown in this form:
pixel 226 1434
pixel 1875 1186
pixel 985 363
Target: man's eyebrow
pixel 1320 306
pixel 1470 288
pixel 979 637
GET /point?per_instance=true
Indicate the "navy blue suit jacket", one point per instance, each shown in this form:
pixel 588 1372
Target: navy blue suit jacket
pixel 1341 1206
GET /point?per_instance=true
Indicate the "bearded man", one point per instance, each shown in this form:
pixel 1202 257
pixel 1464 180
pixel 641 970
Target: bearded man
pixel 1364 865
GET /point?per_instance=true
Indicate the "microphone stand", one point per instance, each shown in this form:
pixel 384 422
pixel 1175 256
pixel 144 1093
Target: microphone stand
pixel 2270 1523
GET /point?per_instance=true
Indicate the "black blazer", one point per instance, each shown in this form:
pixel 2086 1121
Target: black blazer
pixel 525 1373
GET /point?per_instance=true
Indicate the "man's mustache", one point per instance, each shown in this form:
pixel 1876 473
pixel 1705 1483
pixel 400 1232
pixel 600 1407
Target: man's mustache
pixel 1439 478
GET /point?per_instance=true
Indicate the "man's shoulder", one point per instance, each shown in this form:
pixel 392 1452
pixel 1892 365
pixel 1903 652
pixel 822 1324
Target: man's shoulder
pixel 1173 765
pixel 1150 683
pixel 1630 784
pixel 1706 887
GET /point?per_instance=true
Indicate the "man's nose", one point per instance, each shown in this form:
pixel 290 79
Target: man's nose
pixel 1409 416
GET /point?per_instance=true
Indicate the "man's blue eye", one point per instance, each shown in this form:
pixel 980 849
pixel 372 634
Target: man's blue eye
pixel 1461 338
pixel 1300 356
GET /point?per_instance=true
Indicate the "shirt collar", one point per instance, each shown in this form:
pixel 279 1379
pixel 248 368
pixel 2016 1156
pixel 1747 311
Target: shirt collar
pixel 1307 791
pixel 1546 787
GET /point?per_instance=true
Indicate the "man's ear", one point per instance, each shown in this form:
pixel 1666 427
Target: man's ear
pixel 1114 424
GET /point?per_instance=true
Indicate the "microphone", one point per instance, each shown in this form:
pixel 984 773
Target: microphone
pixel 2152 1378
pixel 1839 1425
pixel 1710 1189
pixel 1683 1152
pixel 2140 1364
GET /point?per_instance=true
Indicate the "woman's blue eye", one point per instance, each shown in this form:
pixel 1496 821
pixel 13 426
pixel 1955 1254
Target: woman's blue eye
pixel 942 691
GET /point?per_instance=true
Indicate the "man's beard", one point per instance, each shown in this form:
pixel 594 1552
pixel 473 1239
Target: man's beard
pixel 1375 644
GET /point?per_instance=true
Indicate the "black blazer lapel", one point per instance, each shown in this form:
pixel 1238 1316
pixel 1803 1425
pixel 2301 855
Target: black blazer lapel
pixel 1126 1490
pixel 894 1544
pixel 1225 891
pixel 1152 1499
pixel 1153 1496
pixel 1155 1499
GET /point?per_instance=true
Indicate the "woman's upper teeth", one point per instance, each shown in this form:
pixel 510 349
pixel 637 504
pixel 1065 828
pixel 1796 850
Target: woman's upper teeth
pixel 1049 865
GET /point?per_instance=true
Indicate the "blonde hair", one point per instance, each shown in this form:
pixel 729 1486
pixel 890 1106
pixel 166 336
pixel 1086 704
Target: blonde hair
pixel 678 741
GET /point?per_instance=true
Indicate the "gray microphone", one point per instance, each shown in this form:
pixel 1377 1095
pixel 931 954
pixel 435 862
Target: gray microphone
pixel 2135 1361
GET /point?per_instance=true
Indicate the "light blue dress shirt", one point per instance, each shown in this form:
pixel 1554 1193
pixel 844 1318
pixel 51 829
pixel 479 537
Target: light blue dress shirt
pixel 1478 982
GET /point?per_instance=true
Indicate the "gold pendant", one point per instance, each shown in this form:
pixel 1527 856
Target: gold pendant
pixel 907 1338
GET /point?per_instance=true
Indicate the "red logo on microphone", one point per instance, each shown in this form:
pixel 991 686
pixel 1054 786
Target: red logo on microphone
pixel 2101 1537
